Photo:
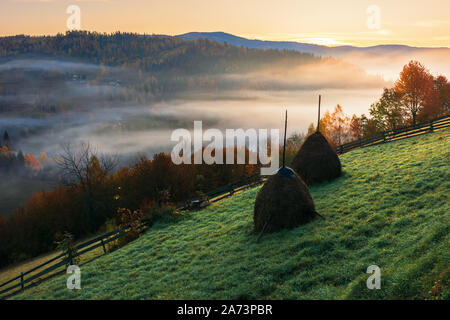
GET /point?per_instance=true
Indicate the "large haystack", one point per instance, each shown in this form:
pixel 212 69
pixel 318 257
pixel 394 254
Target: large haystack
pixel 316 161
pixel 283 202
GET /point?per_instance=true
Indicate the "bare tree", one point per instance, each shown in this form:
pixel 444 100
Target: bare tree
pixel 77 164
pixel 83 167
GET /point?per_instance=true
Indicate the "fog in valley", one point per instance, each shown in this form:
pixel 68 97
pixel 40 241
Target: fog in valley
pixel 254 100
pixel 389 63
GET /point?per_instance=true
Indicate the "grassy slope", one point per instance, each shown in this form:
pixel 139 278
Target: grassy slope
pixel 390 208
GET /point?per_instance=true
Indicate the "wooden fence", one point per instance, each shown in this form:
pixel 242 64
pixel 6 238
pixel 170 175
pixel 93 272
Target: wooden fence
pixel 56 265
pixel 401 133
pixel 224 192
pixel 53 266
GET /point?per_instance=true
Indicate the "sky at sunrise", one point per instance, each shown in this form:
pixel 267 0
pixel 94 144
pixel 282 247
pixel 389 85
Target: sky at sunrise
pixel 328 22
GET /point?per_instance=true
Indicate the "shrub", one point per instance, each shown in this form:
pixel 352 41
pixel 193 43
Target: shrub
pixel 66 244
pixel 133 221
pixel 154 212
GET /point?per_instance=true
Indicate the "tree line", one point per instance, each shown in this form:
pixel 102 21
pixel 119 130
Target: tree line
pixel 93 193
pixel 16 162
pixel 150 53
pixel 417 96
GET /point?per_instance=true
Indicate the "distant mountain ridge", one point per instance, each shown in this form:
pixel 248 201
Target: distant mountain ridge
pixel 321 50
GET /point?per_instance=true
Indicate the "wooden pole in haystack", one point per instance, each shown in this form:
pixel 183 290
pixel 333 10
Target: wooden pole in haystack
pixel 318 115
pixel 284 145
pixel 284 165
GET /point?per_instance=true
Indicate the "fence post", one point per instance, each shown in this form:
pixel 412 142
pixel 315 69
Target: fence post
pixel 103 245
pixel 431 126
pixel 21 280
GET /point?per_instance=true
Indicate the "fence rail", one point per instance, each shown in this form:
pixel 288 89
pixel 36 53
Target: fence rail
pixel 393 135
pixel 223 192
pixel 28 279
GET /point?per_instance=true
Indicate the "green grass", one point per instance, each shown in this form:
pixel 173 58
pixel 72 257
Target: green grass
pixel 390 208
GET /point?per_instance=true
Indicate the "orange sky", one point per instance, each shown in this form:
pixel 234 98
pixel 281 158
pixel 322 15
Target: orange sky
pixel 329 22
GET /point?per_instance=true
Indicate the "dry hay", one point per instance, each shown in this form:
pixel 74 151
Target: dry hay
pixel 283 202
pixel 316 161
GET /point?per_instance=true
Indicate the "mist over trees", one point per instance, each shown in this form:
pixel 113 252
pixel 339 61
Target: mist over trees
pixel 416 96
pixel 94 194
pixel 76 70
pixel 14 162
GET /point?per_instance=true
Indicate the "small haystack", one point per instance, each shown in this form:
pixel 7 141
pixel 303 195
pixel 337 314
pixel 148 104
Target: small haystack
pixel 316 161
pixel 283 202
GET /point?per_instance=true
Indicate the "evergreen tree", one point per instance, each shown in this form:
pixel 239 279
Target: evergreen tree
pixel 6 138
pixel 20 159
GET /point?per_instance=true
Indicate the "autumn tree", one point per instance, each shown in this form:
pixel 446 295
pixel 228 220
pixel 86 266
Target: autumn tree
pixel 311 129
pixel 43 158
pixel 32 163
pixel 337 127
pixel 293 144
pixel 414 87
pixel 369 126
pixel 442 85
pixel 356 127
pixel 388 112
pixel 295 140
pixel 324 125
pixel 438 100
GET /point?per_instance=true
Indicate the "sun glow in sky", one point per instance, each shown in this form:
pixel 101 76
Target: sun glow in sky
pixel 326 22
pixel 322 41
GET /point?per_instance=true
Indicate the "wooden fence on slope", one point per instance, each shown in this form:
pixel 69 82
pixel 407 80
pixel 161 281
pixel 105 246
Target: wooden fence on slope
pixel 393 135
pixel 224 191
pixel 56 265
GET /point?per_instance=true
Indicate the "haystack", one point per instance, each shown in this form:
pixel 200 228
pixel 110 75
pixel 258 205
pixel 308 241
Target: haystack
pixel 283 202
pixel 316 161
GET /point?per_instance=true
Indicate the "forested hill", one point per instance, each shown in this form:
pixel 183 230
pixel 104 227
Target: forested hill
pixel 150 53
pixel 38 74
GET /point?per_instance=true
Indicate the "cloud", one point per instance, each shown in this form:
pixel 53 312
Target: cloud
pixel 431 23
pixel 443 38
